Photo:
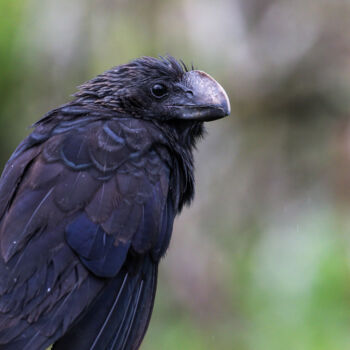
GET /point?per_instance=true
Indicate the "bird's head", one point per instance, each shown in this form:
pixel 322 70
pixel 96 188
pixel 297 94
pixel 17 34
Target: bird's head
pixel 160 89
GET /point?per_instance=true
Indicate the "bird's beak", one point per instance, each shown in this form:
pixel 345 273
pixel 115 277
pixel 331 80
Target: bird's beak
pixel 205 99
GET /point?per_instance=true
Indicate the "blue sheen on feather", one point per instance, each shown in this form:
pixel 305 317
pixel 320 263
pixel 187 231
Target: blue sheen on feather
pixel 72 164
pixel 95 248
pixel 113 135
pixel 65 126
pixel 74 110
pixel 74 152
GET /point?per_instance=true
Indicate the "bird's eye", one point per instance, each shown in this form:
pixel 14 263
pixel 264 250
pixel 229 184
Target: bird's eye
pixel 159 90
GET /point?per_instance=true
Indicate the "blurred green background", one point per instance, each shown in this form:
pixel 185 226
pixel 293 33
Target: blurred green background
pixel 261 260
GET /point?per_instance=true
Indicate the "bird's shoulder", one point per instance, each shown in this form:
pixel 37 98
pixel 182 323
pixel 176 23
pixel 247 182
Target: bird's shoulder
pixel 109 173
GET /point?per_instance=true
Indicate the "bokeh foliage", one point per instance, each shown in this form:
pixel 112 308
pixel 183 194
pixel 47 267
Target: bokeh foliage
pixel 261 260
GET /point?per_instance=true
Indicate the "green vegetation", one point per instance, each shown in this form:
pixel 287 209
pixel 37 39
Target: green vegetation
pixel 261 260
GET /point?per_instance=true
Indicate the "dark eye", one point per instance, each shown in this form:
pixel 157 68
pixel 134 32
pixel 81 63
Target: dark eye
pixel 159 90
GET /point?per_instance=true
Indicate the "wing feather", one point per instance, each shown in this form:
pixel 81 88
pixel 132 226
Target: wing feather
pixel 82 208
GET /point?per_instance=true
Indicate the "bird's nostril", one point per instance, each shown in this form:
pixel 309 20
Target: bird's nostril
pixel 189 93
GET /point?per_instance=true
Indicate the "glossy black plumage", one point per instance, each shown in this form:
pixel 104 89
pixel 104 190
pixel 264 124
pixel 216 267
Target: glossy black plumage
pixel 87 204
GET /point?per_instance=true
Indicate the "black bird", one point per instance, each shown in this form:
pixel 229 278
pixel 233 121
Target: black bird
pixel 87 204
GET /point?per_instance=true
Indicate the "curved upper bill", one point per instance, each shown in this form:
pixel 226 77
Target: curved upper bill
pixel 205 100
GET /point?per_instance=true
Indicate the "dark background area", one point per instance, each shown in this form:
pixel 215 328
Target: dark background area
pixel 261 260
